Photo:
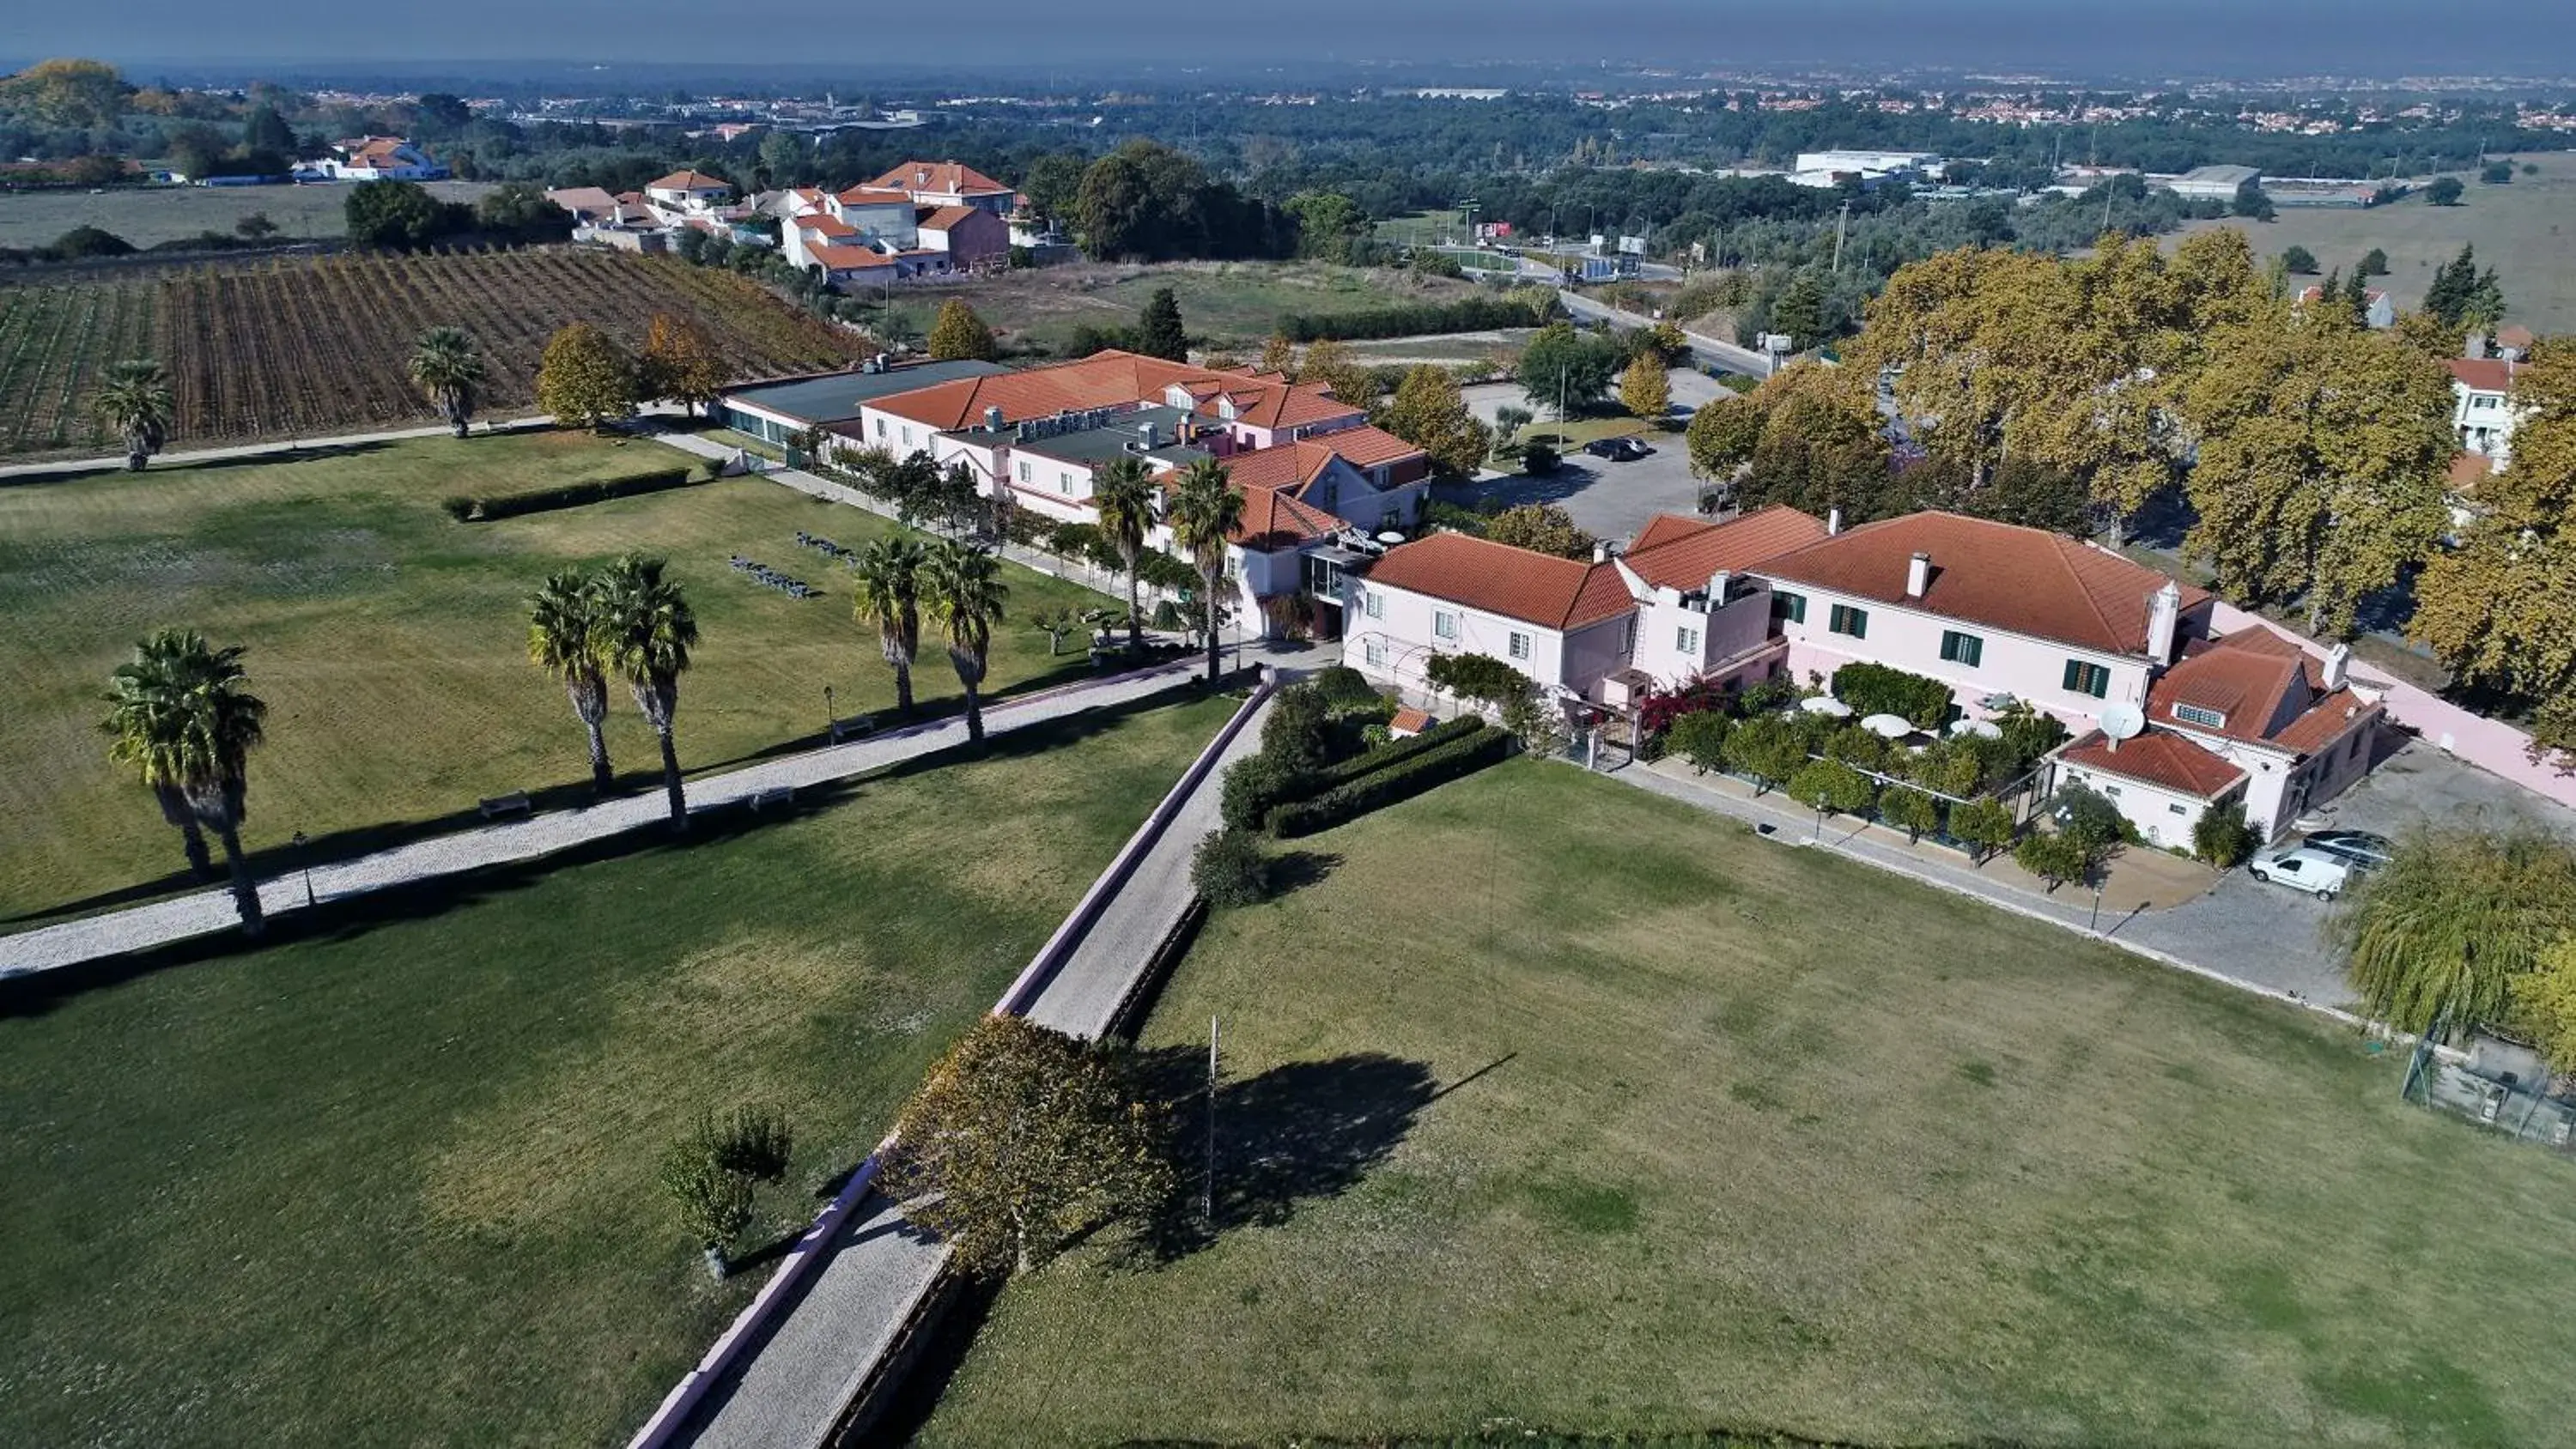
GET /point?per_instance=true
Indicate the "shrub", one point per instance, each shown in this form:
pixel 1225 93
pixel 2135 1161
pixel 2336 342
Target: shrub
pixel 1767 748
pixel 1298 736
pixel 1536 721
pixel 2087 817
pixel 1380 757
pixel 568 495
pixel 1878 689
pixel 1451 759
pixel 1984 826
pixel 1479 677
pixel 1911 811
pixel 2054 857
pixel 1341 684
pixel 1230 869
pixel 1422 319
pixel 752 1141
pixel 1701 739
pixel 2222 837
pixel 1539 460
pixel 1251 788
pixel 1832 785
pixel 1856 746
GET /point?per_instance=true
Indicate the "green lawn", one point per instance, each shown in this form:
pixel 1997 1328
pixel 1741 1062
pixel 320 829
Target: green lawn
pixel 389 641
pixel 1560 1105
pixel 390 1179
pixel 2518 229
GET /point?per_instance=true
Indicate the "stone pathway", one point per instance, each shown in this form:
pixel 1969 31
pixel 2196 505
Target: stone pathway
pixel 207 912
pixel 807 1358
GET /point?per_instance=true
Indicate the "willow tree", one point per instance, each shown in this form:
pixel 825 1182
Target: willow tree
pixel 2457 919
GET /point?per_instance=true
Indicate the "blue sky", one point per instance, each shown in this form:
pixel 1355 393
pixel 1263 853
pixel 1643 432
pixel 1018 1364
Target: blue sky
pixel 2147 37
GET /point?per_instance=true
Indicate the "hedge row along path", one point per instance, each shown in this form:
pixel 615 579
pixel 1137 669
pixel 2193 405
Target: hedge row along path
pixel 303 347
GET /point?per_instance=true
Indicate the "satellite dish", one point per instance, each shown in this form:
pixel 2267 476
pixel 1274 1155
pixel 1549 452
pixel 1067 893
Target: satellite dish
pixel 2122 721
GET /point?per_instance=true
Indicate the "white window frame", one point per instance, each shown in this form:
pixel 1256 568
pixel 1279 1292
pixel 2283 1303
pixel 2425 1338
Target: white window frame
pixel 1686 639
pixel 1444 624
pixel 1372 603
pixel 1025 470
pixel 1517 645
pixel 1373 652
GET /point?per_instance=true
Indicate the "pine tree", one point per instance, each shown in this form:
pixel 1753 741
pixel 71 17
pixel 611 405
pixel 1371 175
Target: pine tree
pixel 1158 330
pixel 961 336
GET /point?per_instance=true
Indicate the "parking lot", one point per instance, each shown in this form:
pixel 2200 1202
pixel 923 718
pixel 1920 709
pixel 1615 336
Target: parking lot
pixel 1608 499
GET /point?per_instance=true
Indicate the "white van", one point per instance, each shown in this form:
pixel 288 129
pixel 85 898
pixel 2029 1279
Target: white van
pixel 2307 869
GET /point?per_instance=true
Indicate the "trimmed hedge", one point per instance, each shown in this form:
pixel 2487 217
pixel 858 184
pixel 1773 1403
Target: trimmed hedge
pixel 1468 314
pixel 1393 752
pixel 467 509
pixel 1463 755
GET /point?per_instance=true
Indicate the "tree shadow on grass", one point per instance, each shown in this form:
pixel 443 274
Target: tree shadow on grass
pixel 1294 870
pixel 72 470
pixel 1299 1132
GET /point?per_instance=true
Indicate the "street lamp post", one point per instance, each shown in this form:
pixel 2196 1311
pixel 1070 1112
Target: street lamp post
pixel 305 862
pixel 831 717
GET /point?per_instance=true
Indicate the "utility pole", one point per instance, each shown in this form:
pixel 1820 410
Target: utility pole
pixel 1841 226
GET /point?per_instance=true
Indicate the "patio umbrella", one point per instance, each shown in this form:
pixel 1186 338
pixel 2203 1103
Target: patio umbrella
pixel 1826 704
pixel 1984 729
pixel 1888 726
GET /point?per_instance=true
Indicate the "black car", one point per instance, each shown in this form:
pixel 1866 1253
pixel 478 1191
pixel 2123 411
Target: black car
pixel 1618 450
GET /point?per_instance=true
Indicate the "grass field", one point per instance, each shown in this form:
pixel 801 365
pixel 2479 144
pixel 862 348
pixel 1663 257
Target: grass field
pixel 389 641
pixel 300 347
pixel 390 1180
pixel 2525 230
pixel 1228 305
pixel 1558 1105
pixel 146 215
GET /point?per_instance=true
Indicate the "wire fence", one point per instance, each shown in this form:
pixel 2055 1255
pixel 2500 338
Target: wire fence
pixel 2526 1104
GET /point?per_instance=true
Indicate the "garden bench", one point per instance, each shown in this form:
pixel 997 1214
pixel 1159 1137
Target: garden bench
pixel 853 727
pixel 774 795
pixel 514 803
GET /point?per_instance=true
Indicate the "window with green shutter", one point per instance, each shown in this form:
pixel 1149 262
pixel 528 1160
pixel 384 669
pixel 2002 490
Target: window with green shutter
pixel 1792 607
pixel 1846 619
pixel 2083 678
pixel 1958 648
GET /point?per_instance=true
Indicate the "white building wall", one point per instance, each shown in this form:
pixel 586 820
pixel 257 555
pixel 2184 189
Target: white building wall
pixel 2165 817
pixel 1390 635
pixel 2030 670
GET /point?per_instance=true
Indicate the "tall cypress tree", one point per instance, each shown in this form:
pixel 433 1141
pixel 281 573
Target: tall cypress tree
pixel 1158 331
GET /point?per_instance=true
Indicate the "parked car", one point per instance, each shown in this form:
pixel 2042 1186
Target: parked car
pixel 1618 450
pixel 2304 869
pixel 2360 849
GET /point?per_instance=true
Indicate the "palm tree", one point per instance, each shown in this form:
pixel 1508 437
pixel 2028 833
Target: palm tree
pixel 1125 494
pixel 446 364
pixel 564 641
pixel 182 715
pixel 889 596
pixel 962 585
pixel 1205 510
pixel 645 632
pixel 135 401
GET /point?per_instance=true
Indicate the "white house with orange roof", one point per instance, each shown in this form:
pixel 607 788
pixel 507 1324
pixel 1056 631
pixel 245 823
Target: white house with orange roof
pixel 2483 410
pixel 1703 616
pixel 687 191
pixel 948 183
pixel 1567 624
pixel 372 158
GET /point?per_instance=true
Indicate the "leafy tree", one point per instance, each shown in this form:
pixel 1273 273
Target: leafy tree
pixel 1429 412
pixel 1723 434
pixel 2323 456
pixel 1278 355
pixel 1646 388
pixel 1565 369
pixel 2221 837
pixel 2544 1003
pixel 1230 869
pixel 399 214
pixel 2251 202
pixel 1819 452
pixel 564 640
pixel 1985 826
pixel 87 241
pixel 1700 737
pixel 680 363
pixel 1831 785
pixel 1052 184
pixel 2053 857
pixel 1508 421
pixel 714 1204
pixel 1022 1138
pixel 2445 191
pixel 887 597
pixel 1204 512
pixel 181 715
pixel 2088 818
pixel 263 129
pixel 1542 527
pixel 1769 748
pixel 254 227
pixel 82 95
pixel 1127 498
pixel 959 334
pixel 1158 328
pixel 2447 929
pixel 1538 460
pixel 1299 732
pixel 1330 226
pixel 2374 263
pixel 447 365
pixel 646 630
pixel 2298 261
pixel 2460 295
pixel 135 403
pixel 522 211
pixel 1911 811
pixel 1332 363
pixel 585 379
pixel 1800 313
pixel 962 588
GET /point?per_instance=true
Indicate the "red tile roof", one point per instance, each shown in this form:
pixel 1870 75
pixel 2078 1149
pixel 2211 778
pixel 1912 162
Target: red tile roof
pixel 945 217
pixel 1517 583
pixel 1681 553
pixel 2166 761
pixel 1104 379
pixel 847 258
pixel 690 181
pixel 2025 580
pixel 1364 446
pixel 2468 470
pixel 1408 721
pixel 2265 689
pixel 2515 335
pixel 1293 465
pixel 825 225
pixel 946 178
pixel 1273 519
pixel 872 196
pixel 2484 374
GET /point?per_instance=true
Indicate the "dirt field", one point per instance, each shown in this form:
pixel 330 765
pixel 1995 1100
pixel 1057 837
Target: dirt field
pixel 159 214
pixel 2523 230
